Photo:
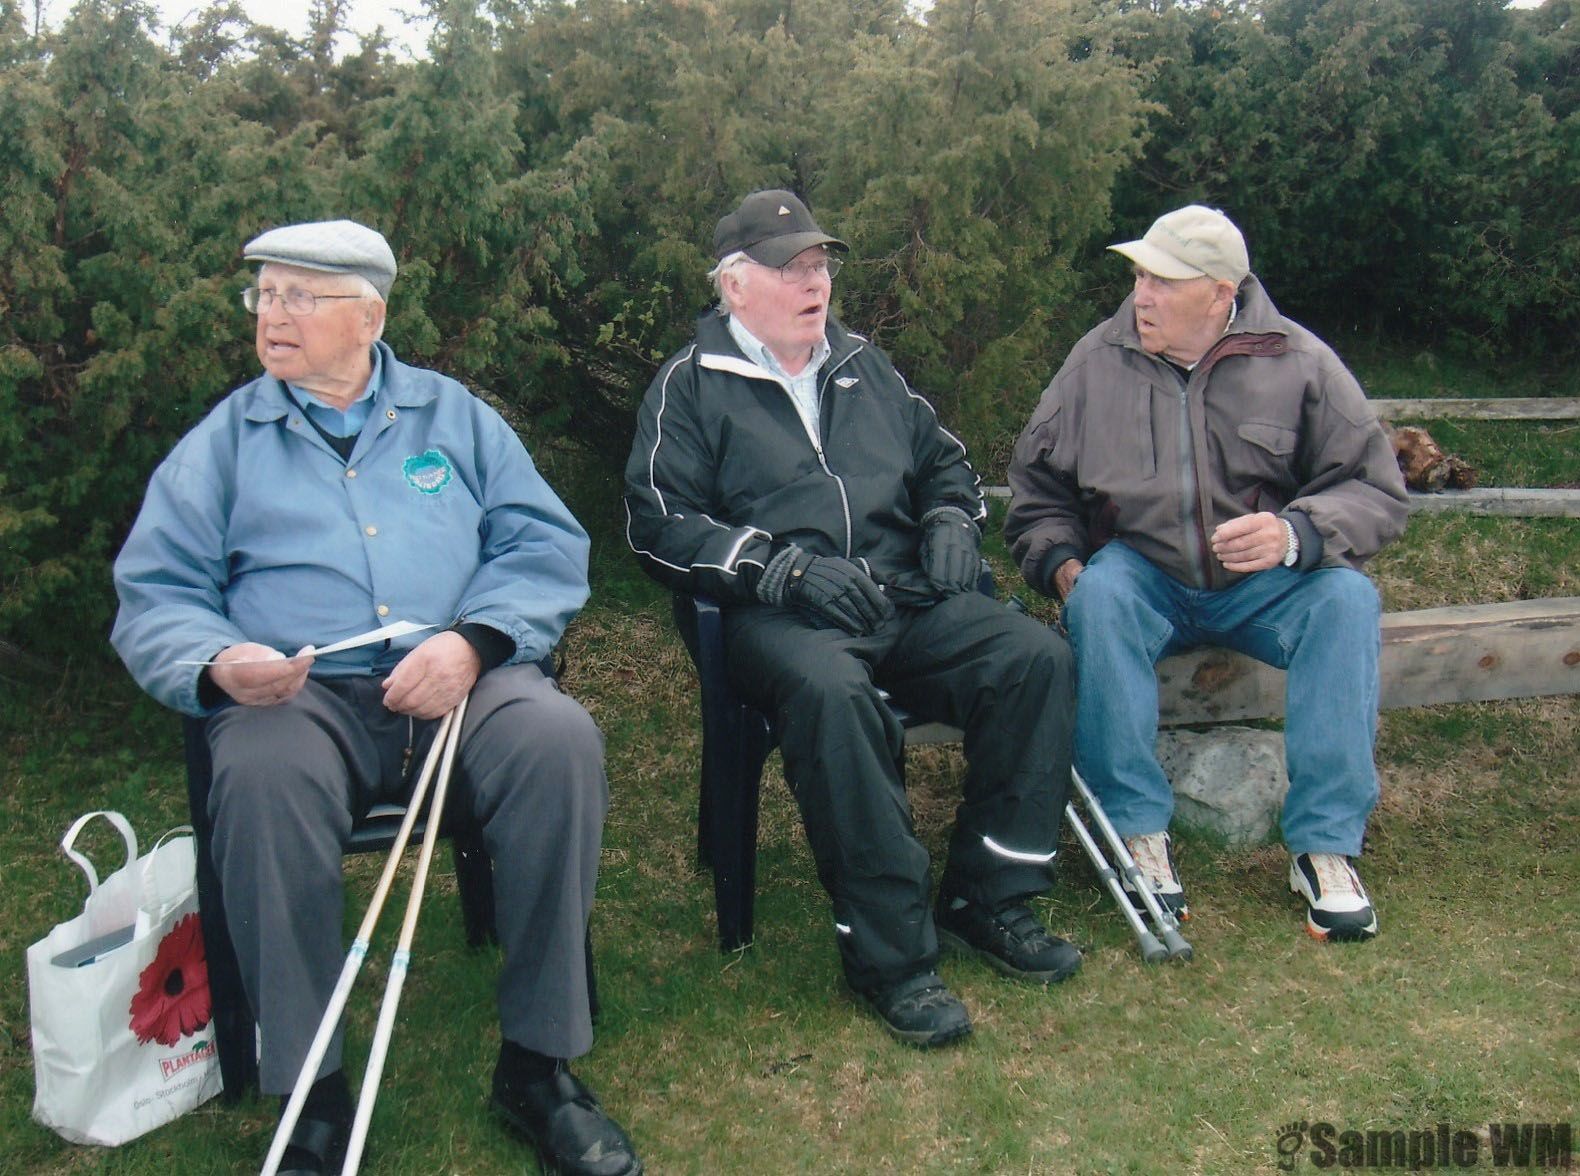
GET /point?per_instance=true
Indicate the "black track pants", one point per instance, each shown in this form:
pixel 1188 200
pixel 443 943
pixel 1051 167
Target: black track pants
pixel 1003 678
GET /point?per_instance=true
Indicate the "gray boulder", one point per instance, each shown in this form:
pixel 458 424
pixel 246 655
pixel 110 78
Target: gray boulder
pixel 1229 781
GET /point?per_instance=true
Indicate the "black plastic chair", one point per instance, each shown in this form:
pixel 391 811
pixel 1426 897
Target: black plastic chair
pixel 736 740
pixel 234 1025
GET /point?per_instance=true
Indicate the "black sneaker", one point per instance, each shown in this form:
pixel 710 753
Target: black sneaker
pixel 920 1011
pixel 1153 854
pixel 1011 939
pixel 1337 906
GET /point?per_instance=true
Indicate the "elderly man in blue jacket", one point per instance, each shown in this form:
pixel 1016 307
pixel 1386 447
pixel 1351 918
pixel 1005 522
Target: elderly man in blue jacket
pixel 339 491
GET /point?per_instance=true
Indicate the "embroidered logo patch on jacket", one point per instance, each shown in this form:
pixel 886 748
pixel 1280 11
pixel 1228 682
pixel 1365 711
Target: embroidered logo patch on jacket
pixel 429 472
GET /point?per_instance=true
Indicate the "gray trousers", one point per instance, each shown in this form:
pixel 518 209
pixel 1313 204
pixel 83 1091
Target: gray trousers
pixel 290 780
pixel 1003 678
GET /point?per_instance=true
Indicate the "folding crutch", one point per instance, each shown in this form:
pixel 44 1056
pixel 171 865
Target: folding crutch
pixel 1173 945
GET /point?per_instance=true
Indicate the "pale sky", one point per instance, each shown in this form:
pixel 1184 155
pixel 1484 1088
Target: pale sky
pixel 408 36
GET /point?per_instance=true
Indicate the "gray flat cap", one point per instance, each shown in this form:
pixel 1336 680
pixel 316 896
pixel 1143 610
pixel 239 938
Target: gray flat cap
pixel 338 246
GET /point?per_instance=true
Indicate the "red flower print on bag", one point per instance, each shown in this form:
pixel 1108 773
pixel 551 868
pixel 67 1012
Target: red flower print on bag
pixel 172 998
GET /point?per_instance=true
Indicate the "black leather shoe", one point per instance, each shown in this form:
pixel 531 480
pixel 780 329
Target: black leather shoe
pixel 317 1148
pixel 920 1011
pixel 566 1126
pixel 1010 939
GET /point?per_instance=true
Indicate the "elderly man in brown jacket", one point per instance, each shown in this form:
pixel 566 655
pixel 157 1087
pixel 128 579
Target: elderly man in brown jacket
pixel 1203 471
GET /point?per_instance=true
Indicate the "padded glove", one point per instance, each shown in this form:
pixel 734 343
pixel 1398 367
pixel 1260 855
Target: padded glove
pixel 832 589
pixel 951 551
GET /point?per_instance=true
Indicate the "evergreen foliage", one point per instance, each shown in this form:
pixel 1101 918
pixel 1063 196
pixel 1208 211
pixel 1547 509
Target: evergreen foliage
pixel 549 177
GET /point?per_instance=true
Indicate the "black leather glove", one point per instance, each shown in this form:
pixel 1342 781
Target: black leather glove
pixel 951 550
pixel 829 588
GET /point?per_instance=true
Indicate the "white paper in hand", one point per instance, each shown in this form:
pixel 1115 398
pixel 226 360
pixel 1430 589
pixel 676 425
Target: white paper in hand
pixel 385 633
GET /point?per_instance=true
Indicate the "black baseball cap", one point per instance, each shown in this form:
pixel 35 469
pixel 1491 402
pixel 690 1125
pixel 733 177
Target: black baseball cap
pixel 770 227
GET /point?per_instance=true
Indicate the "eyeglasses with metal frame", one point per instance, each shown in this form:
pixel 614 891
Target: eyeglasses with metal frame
pixel 298 302
pixel 800 271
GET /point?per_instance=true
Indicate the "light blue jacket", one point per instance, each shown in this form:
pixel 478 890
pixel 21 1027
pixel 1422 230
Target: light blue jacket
pixel 254 529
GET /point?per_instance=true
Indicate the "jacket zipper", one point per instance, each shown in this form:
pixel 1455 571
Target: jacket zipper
pixel 844 498
pixel 1195 531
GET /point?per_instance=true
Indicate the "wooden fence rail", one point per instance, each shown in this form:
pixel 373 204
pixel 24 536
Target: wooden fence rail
pixel 1505 501
pixel 1497 408
pixel 1464 653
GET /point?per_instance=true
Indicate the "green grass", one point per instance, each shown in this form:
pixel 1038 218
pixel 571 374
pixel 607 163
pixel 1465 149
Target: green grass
pixel 1465 1010
pixel 1390 373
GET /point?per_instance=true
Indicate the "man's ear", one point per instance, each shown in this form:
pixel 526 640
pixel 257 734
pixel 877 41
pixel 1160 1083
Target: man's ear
pixel 1223 296
pixel 375 317
pixel 731 283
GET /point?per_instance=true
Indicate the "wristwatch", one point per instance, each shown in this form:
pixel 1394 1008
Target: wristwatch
pixel 1291 543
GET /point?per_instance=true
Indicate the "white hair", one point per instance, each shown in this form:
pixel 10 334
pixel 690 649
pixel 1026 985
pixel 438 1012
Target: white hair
pixel 370 292
pixel 734 263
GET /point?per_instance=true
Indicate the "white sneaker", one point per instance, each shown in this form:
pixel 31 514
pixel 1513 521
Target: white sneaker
pixel 1337 907
pixel 1154 857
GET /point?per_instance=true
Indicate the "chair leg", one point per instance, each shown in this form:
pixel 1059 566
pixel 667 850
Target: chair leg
pixel 731 782
pixel 474 877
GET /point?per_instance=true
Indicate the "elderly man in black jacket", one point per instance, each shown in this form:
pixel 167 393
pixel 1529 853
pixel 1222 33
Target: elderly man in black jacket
pixel 782 466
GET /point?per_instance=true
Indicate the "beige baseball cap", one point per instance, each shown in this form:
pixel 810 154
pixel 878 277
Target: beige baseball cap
pixel 1191 242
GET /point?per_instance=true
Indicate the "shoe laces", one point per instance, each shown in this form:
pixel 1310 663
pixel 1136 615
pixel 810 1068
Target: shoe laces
pixel 1335 875
pixel 1151 854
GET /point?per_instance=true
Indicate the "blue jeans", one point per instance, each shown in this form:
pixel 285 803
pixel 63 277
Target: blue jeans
pixel 1322 626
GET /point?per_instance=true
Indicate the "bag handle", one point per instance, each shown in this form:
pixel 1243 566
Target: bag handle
pixel 68 843
pixel 154 898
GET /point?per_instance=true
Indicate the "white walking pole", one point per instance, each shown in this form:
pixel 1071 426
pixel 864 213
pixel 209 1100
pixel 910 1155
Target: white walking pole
pixel 402 958
pixel 359 950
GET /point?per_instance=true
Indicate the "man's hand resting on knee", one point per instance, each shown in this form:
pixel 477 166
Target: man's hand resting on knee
pixel 832 589
pixel 433 678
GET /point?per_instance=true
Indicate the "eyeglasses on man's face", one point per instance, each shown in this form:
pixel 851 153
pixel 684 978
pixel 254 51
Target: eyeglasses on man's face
pixel 800 271
pixel 298 302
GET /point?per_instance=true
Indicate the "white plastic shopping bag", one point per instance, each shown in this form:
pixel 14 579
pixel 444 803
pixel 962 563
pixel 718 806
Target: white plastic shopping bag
pixel 120 1003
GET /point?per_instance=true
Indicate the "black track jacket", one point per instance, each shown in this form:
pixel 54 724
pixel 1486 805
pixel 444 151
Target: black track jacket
pixel 723 472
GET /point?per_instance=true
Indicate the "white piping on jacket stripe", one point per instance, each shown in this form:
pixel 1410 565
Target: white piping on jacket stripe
pixel 1017 855
pixel 730 566
pixel 658 427
pixel 976 477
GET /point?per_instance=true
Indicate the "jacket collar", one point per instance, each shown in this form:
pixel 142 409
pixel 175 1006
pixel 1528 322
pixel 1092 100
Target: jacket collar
pixel 1258 327
pixel 270 401
pixel 716 347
